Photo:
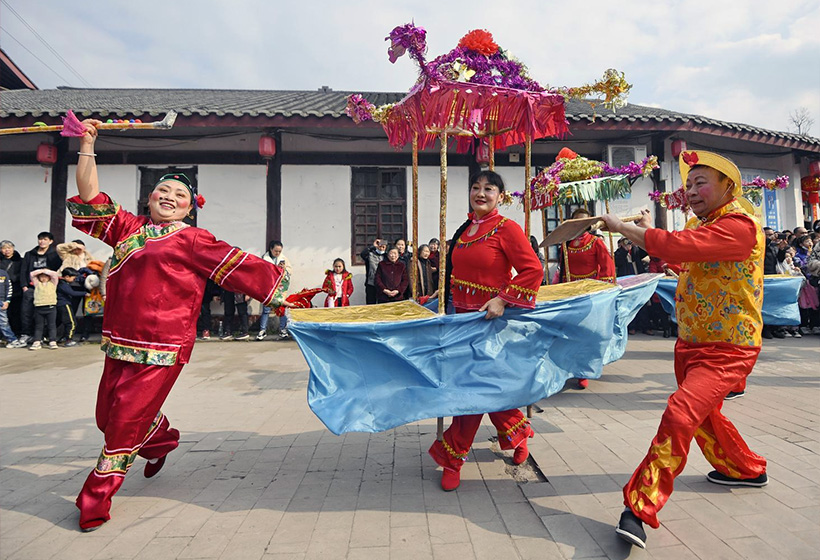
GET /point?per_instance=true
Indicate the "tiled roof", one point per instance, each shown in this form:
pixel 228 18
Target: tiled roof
pixel 283 103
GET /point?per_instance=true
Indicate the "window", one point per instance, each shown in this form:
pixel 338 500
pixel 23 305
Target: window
pixel 378 206
pixel 149 177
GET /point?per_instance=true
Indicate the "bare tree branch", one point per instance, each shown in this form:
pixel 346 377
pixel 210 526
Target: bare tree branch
pixel 801 120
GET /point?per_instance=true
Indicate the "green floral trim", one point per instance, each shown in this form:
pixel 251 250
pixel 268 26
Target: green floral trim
pixel 281 292
pixel 117 463
pixel 82 210
pixel 121 462
pixel 137 240
pixel 147 356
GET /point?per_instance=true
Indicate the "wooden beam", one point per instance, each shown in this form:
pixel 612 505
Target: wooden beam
pixel 59 190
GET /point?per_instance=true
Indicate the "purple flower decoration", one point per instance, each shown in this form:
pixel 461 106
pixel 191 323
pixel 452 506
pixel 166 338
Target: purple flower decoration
pixel 359 109
pixel 405 38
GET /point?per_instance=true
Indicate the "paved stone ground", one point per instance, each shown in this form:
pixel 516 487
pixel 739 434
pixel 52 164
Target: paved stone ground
pixel 258 476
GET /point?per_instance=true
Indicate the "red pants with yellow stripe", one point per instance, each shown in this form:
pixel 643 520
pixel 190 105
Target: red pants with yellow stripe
pixel 705 374
pixel 128 413
pixel 513 428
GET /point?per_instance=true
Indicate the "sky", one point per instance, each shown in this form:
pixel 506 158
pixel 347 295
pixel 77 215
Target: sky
pixel 747 61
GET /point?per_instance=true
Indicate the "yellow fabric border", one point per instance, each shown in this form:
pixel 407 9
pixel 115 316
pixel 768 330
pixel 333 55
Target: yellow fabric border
pixel 380 313
pixel 567 290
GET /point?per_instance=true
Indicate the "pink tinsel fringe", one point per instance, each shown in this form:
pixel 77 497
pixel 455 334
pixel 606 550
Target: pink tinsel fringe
pixel 72 126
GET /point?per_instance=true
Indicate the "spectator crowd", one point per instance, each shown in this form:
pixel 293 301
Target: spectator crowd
pixel 54 293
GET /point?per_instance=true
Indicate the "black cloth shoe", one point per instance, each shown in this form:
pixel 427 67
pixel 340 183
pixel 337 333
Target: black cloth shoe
pixel 630 529
pixel 778 333
pixel 718 478
pixel 734 395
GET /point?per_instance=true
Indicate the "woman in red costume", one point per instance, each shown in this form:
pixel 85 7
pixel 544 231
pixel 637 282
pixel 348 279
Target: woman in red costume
pixel 155 284
pixel 718 308
pixel 588 256
pixel 483 252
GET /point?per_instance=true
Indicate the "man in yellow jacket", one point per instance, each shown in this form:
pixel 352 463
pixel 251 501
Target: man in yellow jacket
pixel 718 306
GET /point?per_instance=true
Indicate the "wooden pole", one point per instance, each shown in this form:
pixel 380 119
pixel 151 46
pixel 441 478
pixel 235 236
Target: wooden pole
pixel 611 245
pixel 527 190
pixel 528 203
pixel 442 222
pixel 491 144
pixel 442 254
pixel 414 278
pixel 546 249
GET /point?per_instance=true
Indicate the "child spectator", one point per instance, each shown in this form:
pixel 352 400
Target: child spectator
pixel 338 285
pixel 65 293
pixel 45 306
pixel 6 292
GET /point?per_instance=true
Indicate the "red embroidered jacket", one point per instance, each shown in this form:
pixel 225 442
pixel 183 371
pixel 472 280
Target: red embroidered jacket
pixel 589 258
pixel 157 280
pixel 482 265
pixel 329 286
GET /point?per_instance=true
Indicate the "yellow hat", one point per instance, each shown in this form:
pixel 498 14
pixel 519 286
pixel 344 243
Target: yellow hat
pixel 690 159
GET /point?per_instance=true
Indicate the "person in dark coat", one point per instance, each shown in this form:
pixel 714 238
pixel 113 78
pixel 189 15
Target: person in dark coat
pixel 12 263
pixel 372 256
pixel 391 278
pixel 629 258
pixel 44 255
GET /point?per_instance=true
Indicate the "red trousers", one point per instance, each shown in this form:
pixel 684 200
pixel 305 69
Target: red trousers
pixel 513 428
pixel 128 413
pixel 705 374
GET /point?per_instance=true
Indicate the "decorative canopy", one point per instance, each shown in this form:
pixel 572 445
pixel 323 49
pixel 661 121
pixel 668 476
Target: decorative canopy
pixel 573 179
pixel 475 90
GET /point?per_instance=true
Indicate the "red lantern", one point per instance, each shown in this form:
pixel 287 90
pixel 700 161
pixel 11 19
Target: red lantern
pixel 47 154
pixel 678 146
pixel 810 189
pixel 267 146
pixel 814 168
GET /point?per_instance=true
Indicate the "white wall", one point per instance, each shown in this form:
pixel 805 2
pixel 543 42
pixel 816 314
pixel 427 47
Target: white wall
pixel 235 204
pixel 26 202
pixel 316 225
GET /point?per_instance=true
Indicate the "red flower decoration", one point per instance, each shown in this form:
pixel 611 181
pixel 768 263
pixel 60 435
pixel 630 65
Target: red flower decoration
pixel 566 153
pixel 690 158
pixel 480 41
pixel 200 201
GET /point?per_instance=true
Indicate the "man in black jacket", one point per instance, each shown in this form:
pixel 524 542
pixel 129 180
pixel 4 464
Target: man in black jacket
pixel 44 255
pixel 372 256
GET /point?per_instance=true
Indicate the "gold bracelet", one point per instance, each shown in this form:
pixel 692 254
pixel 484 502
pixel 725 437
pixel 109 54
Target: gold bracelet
pixel 86 154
